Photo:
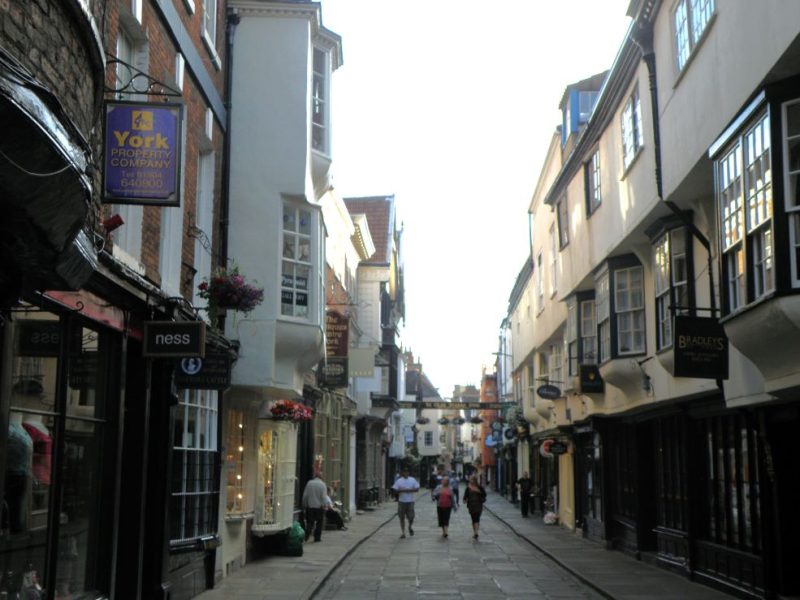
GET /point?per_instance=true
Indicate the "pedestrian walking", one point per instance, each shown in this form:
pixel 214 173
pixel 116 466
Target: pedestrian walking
pixel 436 479
pixel 524 483
pixel 445 503
pixel 406 487
pixel 474 497
pixel 454 487
pixel 314 500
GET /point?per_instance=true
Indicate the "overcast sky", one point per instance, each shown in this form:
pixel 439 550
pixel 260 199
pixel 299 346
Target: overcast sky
pixel 450 107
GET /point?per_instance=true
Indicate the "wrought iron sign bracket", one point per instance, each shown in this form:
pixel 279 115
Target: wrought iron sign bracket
pixel 138 82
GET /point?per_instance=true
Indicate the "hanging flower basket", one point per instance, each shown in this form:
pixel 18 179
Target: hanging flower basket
pixel 286 410
pixel 443 421
pixel 459 420
pixel 476 420
pixel 423 420
pixel 228 289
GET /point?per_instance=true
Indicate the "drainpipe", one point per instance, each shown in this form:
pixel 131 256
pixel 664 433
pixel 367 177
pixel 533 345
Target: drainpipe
pixel 224 207
pixel 642 36
pixel 224 201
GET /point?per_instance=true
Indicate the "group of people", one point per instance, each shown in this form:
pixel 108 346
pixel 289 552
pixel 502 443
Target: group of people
pixel 318 506
pixel 446 496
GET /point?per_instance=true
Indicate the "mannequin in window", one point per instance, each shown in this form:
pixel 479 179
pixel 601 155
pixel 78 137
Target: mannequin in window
pixel 42 447
pixel 19 454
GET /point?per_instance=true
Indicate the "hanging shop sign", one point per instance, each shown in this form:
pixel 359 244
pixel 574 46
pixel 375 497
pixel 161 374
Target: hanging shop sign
pixel 701 348
pixel 174 339
pixel 38 338
pixel 557 447
pixel 211 372
pixel 337 330
pixel 142 153
pixel 454 405
pixel 548 392
pixel 589 380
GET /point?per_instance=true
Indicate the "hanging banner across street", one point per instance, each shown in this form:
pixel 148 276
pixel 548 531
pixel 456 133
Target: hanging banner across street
pixel 456 405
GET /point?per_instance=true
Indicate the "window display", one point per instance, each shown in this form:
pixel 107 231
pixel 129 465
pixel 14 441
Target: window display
pixel 52 424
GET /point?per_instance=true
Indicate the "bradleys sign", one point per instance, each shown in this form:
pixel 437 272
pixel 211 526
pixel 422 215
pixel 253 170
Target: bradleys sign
pixel 142 153
pixel 701 348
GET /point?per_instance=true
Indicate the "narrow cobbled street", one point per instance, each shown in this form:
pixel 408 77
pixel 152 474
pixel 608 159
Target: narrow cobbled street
pixel 496 566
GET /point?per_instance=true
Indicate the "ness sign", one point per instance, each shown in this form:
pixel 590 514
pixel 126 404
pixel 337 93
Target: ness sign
pixel 142 153
pixel 164 339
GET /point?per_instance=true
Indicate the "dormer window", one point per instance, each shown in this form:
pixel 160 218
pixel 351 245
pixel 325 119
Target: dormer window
pixel 319 102
pixel 586 102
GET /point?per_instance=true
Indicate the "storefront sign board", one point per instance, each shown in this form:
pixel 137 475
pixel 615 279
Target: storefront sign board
pixel 142 153
pixel 701 348
pixel 173 339
pixel 211 372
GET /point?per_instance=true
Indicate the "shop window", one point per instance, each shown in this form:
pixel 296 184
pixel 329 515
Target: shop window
pixel 625 490
pixel 671 485
pixel 235 502
pixel 53 426
pixel 732 508
pixel 194 494
pixel 267 494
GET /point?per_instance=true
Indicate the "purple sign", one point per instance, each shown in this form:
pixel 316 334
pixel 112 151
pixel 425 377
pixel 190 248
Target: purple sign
pixel 142 153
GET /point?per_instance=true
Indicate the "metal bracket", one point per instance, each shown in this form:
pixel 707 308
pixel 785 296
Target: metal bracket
pixel 136 79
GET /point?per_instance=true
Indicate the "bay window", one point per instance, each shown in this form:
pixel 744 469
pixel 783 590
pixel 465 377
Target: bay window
pixel 629 309
pixel 672 280
pixel 581 333
pixel 620 314
pixel 297 264
pixel 744 198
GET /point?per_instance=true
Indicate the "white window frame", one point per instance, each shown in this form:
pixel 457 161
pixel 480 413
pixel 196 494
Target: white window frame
pixel 661 280
pixel 127 239
pixel 539 282
pixel 556 364
pixel 427 439
pixel 632 134
pixel 690 21
pixel 199 446
pixel 298 245
pixel 603 316
pixel 594 196
pixel 744 204
pixel 320 130
pixel 210 21
pixel 562 218
pixel 204 222
pixel 791 182
pixel 629 309
pixel 571 340
pixel 588 332
pixel 553 262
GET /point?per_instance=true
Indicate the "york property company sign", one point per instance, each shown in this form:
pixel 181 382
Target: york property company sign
pixel 173 339
pixel 142 153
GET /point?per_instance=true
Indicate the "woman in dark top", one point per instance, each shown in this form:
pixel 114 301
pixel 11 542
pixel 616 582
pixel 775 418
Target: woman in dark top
pixel 474 497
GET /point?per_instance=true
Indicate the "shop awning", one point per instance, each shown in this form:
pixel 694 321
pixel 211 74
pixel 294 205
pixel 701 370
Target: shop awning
pixel 45 193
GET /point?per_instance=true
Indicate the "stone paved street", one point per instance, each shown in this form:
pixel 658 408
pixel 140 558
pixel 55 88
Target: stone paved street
pixel 498 565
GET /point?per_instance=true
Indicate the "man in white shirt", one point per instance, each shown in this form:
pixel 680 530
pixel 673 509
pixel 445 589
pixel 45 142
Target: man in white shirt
pixel 406 488
pixel 314 502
